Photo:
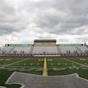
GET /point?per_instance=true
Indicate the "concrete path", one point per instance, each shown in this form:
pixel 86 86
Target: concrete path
pixel 36 81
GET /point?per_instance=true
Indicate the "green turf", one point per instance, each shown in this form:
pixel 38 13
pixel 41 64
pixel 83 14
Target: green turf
pixel 80 60
pixel 62 66
pixel 56 66
pixel 4 75
pixel 33 66
pixel 7 61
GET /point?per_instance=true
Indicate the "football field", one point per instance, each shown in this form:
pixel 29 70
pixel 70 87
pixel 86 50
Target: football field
pixel 34 65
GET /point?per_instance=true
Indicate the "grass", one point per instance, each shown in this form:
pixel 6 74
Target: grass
pixel 80 60
pixel 33 66
pixel 4 75
pixel 56 66
pixel 62 66
pixel 7 61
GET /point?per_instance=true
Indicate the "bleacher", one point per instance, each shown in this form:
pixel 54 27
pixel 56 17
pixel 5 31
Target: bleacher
pixel 22 50
pixel 83 48
pixel 44 47
pixel 10 49
pixel 72 49
pixel 7 50
pixel 51 50
pixel 68 47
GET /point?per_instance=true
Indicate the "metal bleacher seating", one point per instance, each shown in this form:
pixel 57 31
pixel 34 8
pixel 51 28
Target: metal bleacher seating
pixel 45 50
pixel 61 49
pixel 72 48
pixel 23 49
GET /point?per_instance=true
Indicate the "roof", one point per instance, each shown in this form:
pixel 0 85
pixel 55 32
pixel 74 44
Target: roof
pixel 18 45
pixel 52 40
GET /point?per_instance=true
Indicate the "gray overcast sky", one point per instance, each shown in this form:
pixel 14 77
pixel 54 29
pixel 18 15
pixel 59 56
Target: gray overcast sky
pixel 22 21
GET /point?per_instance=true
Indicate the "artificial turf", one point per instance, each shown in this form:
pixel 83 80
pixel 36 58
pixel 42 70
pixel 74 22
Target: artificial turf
pixel 56 66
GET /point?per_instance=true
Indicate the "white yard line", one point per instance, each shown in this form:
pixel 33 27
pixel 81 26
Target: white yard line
pixel 13 63
pixel 76 62
pixel 11 76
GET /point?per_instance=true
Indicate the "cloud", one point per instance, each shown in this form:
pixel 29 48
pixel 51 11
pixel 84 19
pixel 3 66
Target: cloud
pixel 10 38
pixel 72 15
pixel 11 20
pixel 45 19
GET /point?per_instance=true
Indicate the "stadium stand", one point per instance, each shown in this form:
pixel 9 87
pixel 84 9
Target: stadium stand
pixel 35 81
pixel 45 50
pixel 44 47
pixel 25 50
pixel 83 48
pixel 72 49
pixel 14 49
pixel 7 50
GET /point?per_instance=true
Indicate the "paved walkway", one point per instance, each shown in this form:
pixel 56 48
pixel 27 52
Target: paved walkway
pixel 45 68
pixel 36 81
